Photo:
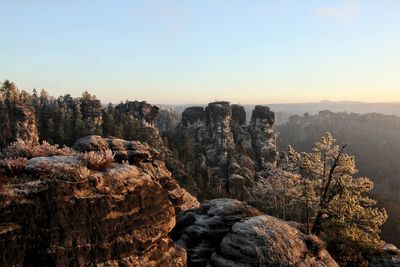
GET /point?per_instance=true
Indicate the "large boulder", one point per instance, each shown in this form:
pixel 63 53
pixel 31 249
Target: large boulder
pixel 267 241
pixel 389 256
pixel 201 230
pixel 227 233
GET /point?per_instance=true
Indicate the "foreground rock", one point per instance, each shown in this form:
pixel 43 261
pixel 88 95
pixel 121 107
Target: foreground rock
pixel 133 151
pixel 119 216
pixel 390 256
pixel 226 232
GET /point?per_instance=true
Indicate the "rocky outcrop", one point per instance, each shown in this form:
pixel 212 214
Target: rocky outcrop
pixel 219 145
pixel 133 151
pixel 226 232
pixel 18 121
pixel 139 110
pixel 59 213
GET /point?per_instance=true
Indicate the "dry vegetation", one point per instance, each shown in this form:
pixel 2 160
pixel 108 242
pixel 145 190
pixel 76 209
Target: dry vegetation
pixel 98 160
pixel 14 158
pixel 20 149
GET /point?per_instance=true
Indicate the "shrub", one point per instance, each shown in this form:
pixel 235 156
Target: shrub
pixel 98 160
pixel 12 167
pixel 21 149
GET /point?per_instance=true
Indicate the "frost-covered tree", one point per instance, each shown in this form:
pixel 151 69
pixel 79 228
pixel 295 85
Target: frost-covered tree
pixel 319 190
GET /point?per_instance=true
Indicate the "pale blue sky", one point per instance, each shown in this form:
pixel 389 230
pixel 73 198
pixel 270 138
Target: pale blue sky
pixel 199 51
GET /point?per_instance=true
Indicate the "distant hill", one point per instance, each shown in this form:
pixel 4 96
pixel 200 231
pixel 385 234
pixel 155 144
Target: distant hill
pixel 285 110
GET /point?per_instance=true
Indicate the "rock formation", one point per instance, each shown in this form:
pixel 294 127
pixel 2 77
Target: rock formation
pixel 18 121
pixel 217 144
pixel 133 151
pixel 59 213
pixel 144 111
pixel 226 232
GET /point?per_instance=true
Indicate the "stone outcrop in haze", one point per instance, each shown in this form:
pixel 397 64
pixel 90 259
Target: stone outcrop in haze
pixel 59 213
pixel 217 143
pixel 227 232
pixel 139 110
pixel 18 121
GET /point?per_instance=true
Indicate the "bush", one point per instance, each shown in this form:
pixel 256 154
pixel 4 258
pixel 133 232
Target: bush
pixel 98 160
pixel 12 167
pixel 20 149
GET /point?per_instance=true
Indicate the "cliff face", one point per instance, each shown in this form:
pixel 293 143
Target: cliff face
pixel 18 121
pixel 217 143
pixel 134 152
pixel 119 216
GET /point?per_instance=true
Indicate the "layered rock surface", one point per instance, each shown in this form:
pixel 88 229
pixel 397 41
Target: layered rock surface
pixel 134 151
pixel 119 216
pixel 227 232
pixel 217 143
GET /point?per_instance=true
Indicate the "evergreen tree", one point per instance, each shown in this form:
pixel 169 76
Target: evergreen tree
pixel 343 212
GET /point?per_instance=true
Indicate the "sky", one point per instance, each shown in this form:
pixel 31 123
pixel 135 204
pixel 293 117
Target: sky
pixel 181 52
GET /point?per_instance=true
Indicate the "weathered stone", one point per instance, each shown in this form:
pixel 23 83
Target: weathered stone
pixel 219 137
pixel 54 161
pixel 117 217
pixel 201 230
pixel 267 241
pixel 139 110
pixel 123 150
pixel 137 152
pixel 390 256
pixel 18 121
pixel 227 233
pixel 192 115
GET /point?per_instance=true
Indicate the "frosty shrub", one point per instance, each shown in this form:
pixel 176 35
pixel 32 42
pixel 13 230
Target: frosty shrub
pixel 98 160
pixel 21 149
pixel 12 167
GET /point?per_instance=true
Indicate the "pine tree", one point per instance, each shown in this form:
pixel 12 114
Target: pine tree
pixel 343 212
